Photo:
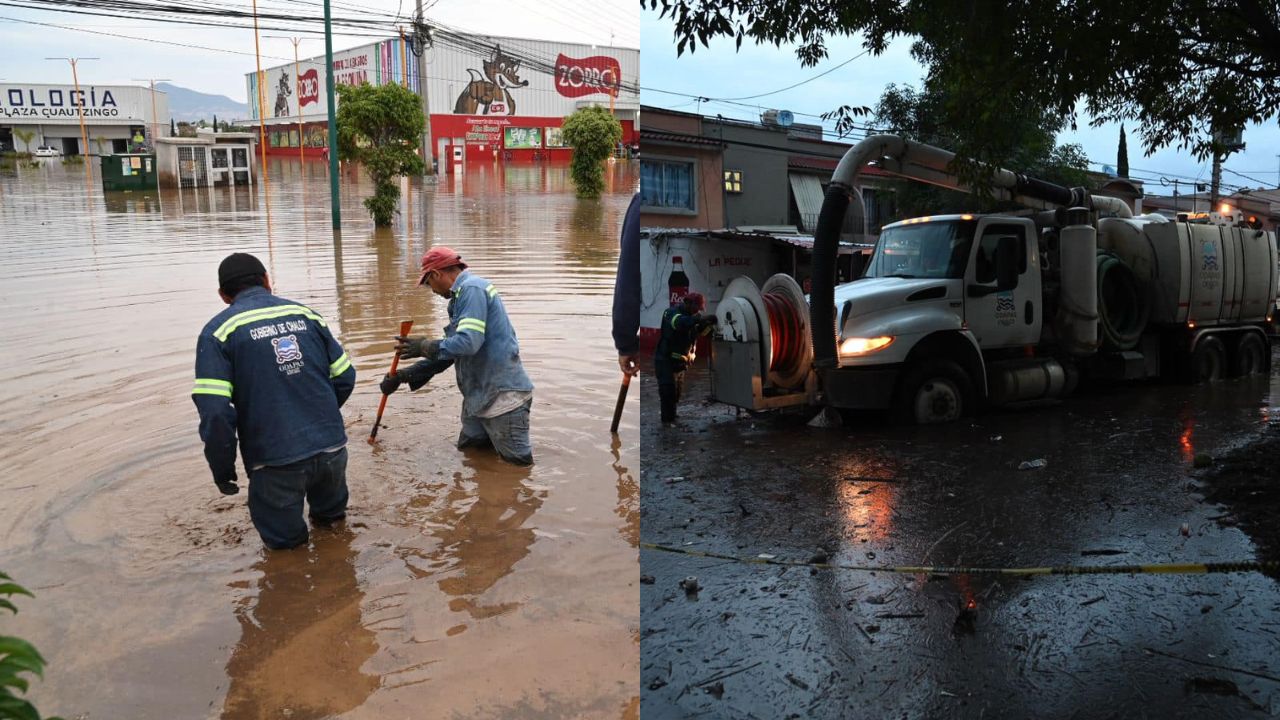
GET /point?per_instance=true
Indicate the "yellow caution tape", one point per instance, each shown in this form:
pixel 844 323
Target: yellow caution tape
pixel 1147 569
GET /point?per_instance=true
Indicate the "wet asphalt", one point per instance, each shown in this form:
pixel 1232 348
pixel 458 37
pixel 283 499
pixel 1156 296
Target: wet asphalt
pixel 1118 488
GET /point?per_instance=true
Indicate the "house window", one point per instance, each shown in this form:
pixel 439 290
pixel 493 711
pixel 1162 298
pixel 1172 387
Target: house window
pixel 667 185
pixel 733 181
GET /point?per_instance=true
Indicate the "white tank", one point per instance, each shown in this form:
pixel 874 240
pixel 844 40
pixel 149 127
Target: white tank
pixel 1202 273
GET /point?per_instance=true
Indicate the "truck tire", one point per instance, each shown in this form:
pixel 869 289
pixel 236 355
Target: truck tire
pixel 933 391
pixel 1209 360
pixel 1250 357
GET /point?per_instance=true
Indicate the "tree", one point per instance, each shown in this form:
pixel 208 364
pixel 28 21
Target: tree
pixel 379 127
pixel 1027 146
pixel 173 129
pixel 1178 67
pixel 1122 155
pixel 26 136
pixel 17 657
pixel 593 133
pixel 215 123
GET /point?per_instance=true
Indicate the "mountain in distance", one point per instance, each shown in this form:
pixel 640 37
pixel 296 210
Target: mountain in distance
pixel 189 105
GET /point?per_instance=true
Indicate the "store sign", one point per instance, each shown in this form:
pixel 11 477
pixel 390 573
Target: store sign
pixel 485 131
pixel 46 102
pixel 523 138
pixel 309 87
pixel 587 76
pixel 352 70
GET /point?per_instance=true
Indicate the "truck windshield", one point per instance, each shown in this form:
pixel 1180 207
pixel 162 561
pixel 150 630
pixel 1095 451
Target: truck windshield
pixel 923 250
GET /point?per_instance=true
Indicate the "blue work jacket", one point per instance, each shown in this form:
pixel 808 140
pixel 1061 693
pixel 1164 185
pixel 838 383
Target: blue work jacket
pixel 482 344
pixel 269 371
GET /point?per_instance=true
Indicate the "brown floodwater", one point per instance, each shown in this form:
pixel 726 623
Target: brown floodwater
pixel 460 587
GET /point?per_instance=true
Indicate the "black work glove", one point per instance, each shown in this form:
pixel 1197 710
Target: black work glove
pixel 416 347
pixel 227 486
pixel 391 382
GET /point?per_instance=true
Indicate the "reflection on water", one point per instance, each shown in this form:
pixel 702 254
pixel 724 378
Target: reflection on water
pixel 483 531
pixel 302 641
pixel 456 568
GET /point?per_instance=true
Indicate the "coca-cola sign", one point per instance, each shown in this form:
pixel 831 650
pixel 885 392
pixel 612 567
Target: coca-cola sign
pixel 576 77
pixel 308 88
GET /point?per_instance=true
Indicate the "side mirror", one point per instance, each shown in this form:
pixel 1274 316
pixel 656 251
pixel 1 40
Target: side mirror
pixel 1007 263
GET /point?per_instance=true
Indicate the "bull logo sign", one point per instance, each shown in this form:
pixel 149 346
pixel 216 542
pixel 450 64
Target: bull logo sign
pixel 489 93
pixel 576 77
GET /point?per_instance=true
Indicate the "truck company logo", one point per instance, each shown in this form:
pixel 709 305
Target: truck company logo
pixel 587 76
pixel 308 88
pixel 1210 257
pixel 287 349
pixel 54 102
pixel 1006 311
pixel 489 92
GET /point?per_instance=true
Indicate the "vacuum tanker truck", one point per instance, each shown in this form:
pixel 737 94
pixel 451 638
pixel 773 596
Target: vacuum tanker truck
pixel 957 312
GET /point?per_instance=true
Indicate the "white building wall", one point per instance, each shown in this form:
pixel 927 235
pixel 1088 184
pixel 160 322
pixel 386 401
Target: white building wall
pixel 552 79
pixel 50 112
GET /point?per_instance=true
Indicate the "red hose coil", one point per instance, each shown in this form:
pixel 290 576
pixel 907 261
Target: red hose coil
pixel 787 332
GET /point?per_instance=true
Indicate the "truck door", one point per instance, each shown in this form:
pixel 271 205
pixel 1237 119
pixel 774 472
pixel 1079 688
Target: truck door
pixel 1003 317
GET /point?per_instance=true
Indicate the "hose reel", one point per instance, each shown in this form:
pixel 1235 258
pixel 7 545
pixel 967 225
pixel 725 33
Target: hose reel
pixel 776 318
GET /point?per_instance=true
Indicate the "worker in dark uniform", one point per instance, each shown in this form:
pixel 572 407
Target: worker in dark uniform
pixel 269 371
pixel 681 326
pixel 626 292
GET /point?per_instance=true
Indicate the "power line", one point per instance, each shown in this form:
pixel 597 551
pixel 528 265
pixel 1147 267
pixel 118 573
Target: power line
pixel 802 82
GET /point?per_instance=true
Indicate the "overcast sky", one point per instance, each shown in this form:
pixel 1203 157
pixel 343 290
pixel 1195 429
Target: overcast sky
pixel 23 46
pixel 721 73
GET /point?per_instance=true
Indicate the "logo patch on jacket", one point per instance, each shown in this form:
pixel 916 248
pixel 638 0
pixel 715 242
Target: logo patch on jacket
pixel 287 349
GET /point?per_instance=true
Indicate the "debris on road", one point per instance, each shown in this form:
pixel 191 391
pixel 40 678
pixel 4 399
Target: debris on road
pixel 1033 464
pixel 690 585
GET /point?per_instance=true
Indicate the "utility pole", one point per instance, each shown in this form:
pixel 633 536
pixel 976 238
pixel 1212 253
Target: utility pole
pixel 155 120
pixel 262 109
pixel 421 41
pixel 335 211
pixel 75 78
pixel 1216 181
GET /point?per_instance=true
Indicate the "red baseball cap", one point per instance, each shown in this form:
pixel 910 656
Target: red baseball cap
pixel 439 258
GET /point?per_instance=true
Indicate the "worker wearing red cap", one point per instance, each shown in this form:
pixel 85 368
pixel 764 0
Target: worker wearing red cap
pixel 481 345
pixel 681 326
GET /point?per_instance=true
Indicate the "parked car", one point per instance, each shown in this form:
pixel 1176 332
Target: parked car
pixel 46 151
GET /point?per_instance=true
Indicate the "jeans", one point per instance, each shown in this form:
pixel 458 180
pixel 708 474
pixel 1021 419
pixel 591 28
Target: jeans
pixel 507 433
pixel 276 495
pixel 670 376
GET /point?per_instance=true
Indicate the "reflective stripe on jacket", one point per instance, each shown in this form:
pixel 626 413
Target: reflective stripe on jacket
pixel 269 371
pixel 679 333
pixel 481 342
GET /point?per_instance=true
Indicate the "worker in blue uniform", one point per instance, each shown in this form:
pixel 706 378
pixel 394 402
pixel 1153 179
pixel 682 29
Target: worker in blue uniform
pixel 270 374
pixel 480 343
pixel 682 324
pixel 626 292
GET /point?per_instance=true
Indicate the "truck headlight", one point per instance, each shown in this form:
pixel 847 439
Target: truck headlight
pixel 862 346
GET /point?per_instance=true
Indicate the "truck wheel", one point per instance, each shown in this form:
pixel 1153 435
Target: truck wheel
pixel 1250 356
pixel 1209 360
pixel 933 391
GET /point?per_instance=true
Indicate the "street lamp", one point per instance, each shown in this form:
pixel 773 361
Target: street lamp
pixel 75 78
pixel 154 119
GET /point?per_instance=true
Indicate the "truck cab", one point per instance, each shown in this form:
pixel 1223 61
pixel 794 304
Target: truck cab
pixel 938 293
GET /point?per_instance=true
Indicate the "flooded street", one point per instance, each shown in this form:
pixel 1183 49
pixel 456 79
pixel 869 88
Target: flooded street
pixel 759 641
pixel 459 587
